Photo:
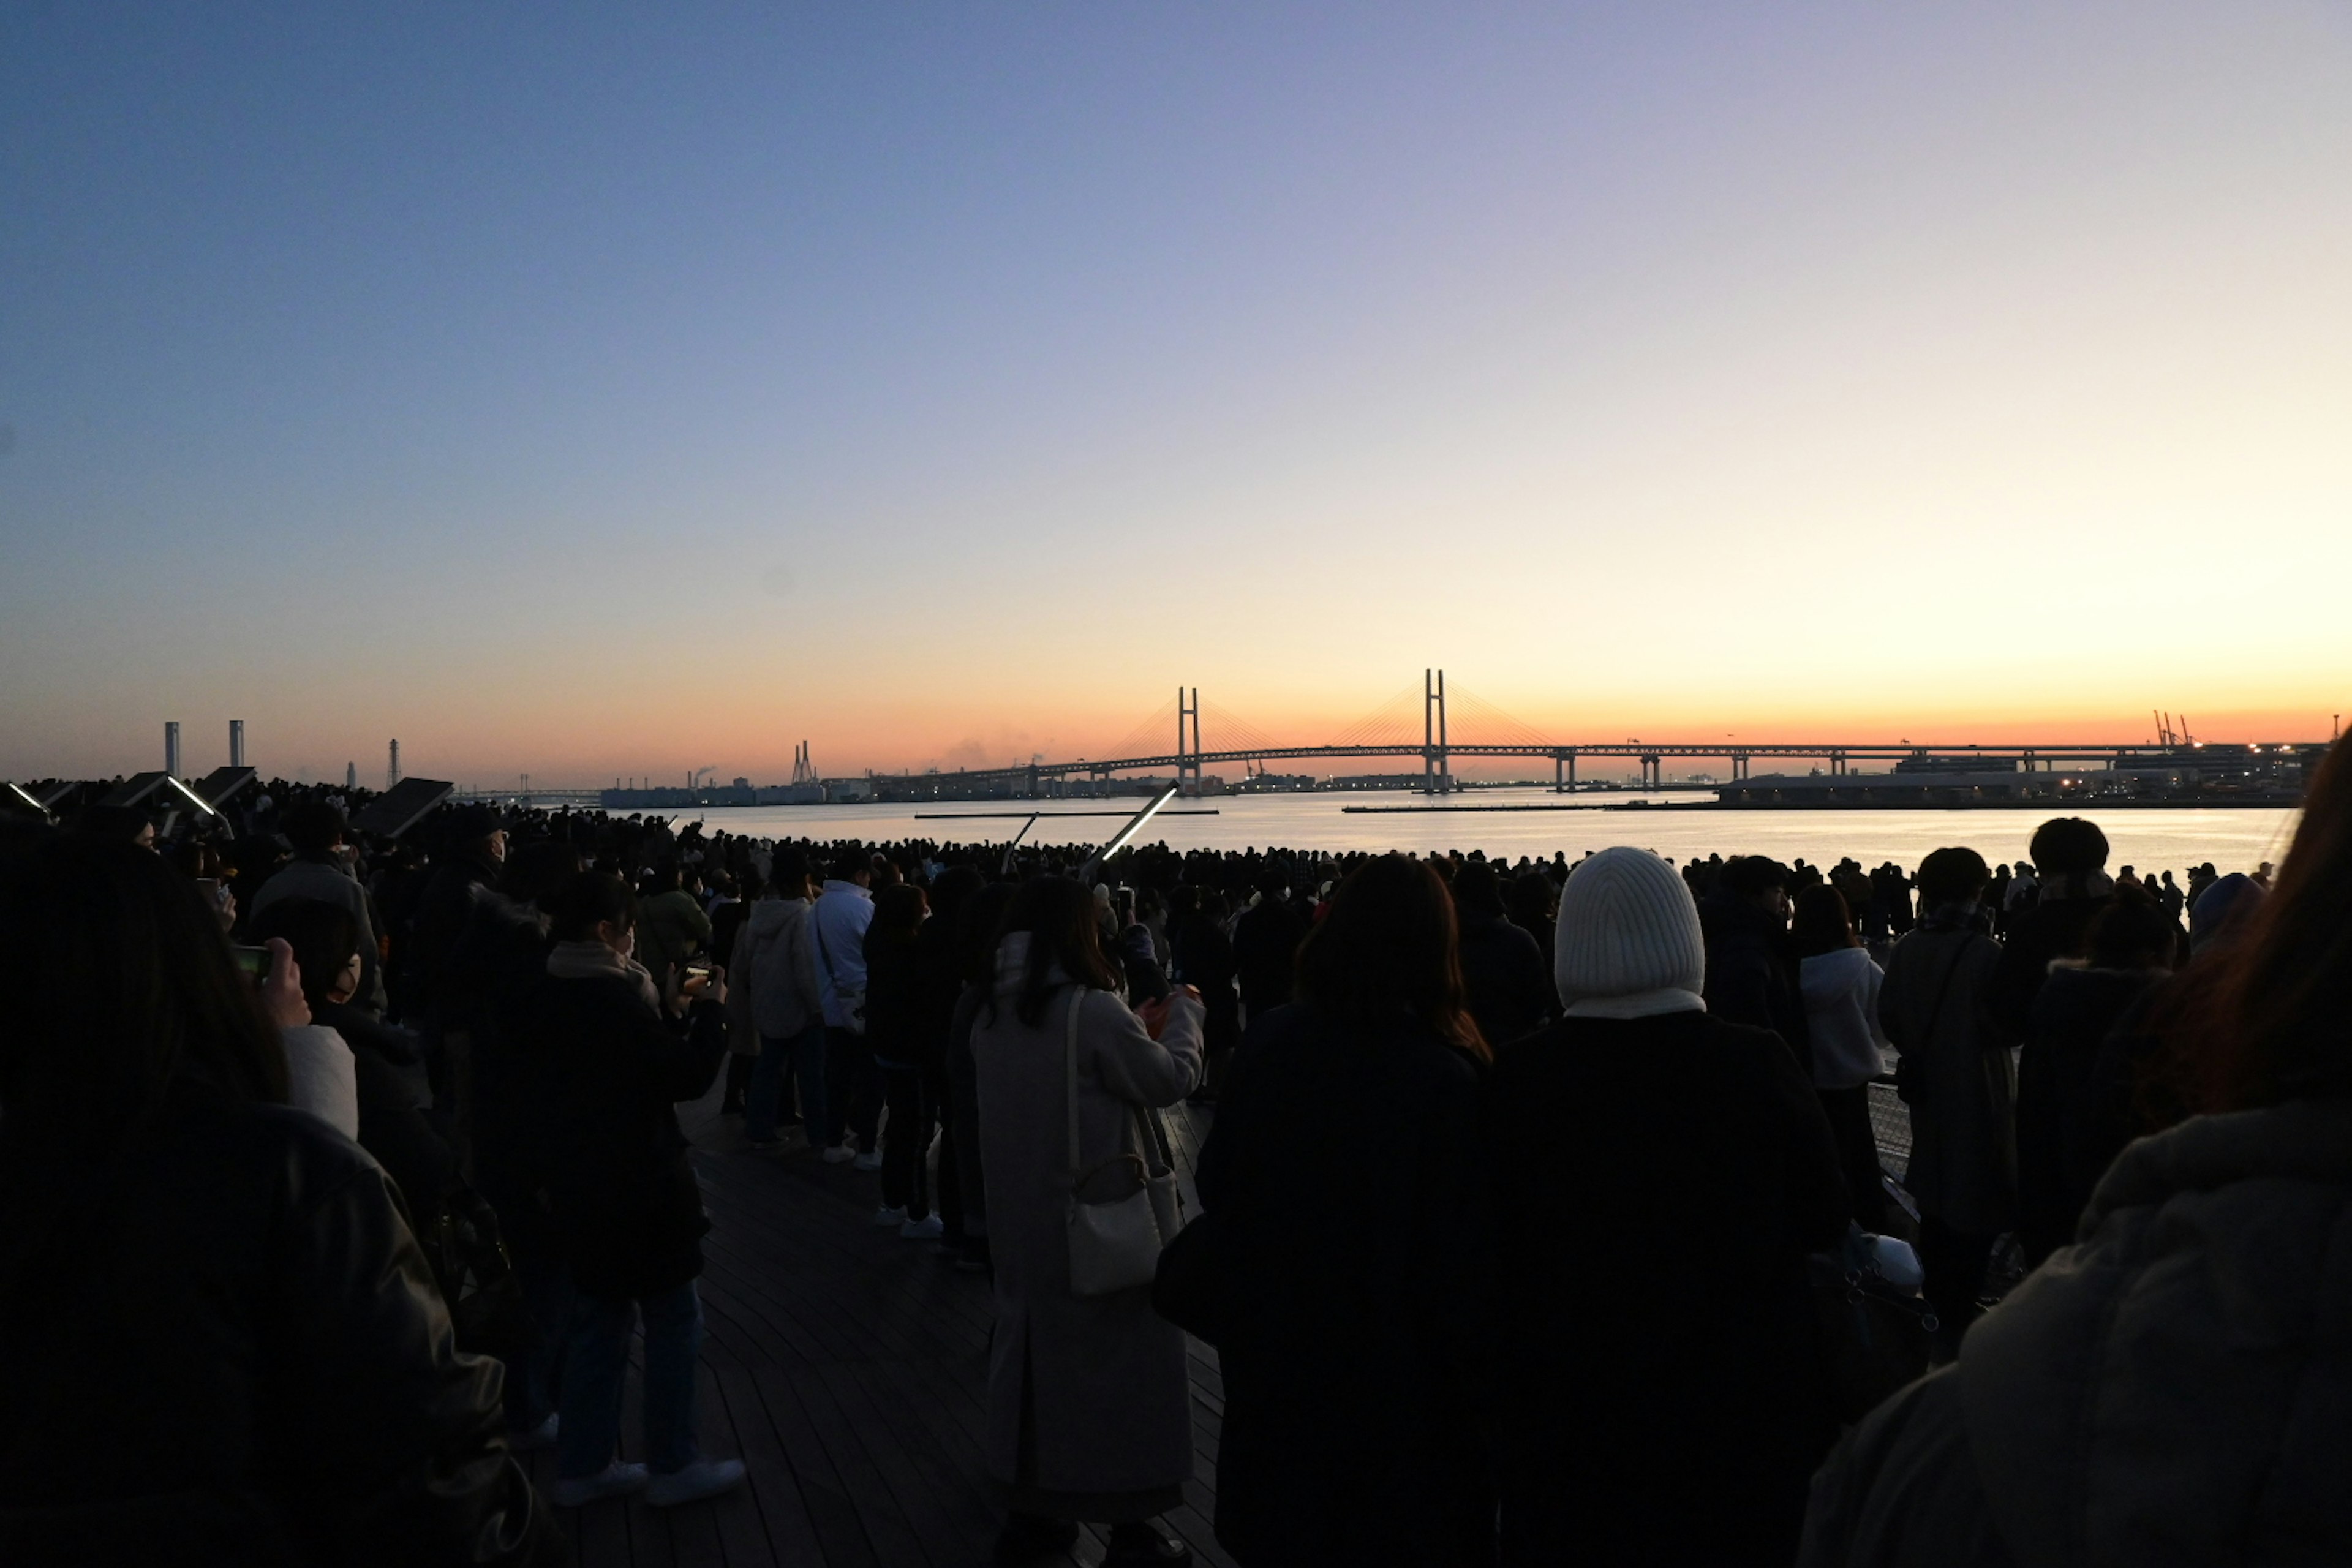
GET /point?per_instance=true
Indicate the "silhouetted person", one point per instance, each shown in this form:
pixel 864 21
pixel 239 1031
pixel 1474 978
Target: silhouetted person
pixel 1377 1064
pixel 1674 1415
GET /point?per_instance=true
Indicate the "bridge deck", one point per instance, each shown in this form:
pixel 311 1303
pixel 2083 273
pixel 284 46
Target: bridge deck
pixel 848 1370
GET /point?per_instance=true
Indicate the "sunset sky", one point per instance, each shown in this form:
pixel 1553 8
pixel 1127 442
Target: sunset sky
pixel 613 391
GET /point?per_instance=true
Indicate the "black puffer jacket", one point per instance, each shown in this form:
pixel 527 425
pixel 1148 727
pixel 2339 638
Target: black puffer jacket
pixel 223 1346
pixel 2175 1388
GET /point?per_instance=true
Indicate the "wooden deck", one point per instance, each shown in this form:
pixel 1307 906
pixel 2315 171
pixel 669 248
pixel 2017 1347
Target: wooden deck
pixel 847 1369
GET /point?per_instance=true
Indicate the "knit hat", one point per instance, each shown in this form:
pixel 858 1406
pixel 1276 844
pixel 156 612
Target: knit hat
pixel 1628 943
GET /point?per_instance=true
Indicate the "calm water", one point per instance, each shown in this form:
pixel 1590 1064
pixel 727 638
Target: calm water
pixel 2174 839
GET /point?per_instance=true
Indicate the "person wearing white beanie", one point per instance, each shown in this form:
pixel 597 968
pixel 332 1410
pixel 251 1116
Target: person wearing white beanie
pixel 1666 1173
pixel 1627 942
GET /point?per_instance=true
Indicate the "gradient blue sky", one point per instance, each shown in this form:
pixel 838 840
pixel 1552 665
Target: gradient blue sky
pixel 598 390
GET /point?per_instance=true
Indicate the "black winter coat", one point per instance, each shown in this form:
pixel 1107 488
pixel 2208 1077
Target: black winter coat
pixel 1202 957
pixel 895 997
pixel 1507 977
pixel 1660 1397
pixel 225 1347
pixel 603 1158
pixel 1265 952
pixel 2062 1148
pixel 2052 929
pixel 1352 1244
pixel 1751 973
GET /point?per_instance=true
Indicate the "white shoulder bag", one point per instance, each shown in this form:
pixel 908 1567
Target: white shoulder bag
pixel 1120 1213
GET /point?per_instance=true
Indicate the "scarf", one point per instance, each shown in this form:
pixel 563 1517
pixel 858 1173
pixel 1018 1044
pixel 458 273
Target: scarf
pixel 591 960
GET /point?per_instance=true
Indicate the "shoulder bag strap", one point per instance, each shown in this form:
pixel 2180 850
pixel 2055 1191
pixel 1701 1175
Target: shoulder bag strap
pixel 824 956
pixel 1935 1012
pixel 1070 1064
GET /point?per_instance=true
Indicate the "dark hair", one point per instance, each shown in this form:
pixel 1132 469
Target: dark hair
pixel 1477 891
pixel 120 823
pixel 956 884
pixel 980 927
pixel 851 864
pixel 1745 876
pixel 1952 876
pixel 576 906
pixel 1533 897
pixel 324 936
pixel 1821 923
pixel 2064 846
pixel 785 867
pixel 2267 1017
pixel 312 825
pixel 538 869
pixel 115 980
pixel 2131 933
pixel 1388 950
pixel 1058 914
pixel 897 912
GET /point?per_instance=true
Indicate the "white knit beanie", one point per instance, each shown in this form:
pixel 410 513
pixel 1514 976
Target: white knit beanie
pixel 1628 943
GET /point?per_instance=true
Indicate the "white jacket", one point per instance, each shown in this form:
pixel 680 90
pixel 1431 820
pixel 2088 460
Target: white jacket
pixel 1841 991
pixel 320 1077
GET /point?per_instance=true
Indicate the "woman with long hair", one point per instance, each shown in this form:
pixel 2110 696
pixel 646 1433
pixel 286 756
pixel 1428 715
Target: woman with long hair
pixel 2169 1387
pixel 1351 1248
pixel 223 1343
pixel 1089 1406
pixel 1659 1395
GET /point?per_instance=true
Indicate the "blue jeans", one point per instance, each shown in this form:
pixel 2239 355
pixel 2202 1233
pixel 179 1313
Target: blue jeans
pixel 804 1054
pixel 596 1358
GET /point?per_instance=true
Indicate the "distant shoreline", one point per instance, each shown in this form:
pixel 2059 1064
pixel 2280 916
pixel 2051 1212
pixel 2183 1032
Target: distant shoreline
pixel 2060 805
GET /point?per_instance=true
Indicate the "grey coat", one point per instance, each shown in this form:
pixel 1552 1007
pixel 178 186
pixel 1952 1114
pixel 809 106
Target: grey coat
pixel 2174 1388
pixel 1955 1074
pixel 1102 1380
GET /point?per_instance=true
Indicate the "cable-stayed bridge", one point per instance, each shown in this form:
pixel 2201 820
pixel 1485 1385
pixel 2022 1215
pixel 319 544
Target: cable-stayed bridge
pixel 1430 725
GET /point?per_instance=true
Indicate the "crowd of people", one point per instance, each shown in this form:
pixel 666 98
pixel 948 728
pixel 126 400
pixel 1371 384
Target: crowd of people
pixel 335 1171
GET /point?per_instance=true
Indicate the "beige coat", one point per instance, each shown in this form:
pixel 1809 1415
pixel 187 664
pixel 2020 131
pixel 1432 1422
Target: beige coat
pixel 1103 1379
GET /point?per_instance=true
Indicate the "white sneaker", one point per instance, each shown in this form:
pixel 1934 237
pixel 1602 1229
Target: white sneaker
pixel 839 1154
pixel 870 1161
pixel 616 1479
pixel 702 1479
pixel 540 1437
pixel 927 1228
pixel 886 1214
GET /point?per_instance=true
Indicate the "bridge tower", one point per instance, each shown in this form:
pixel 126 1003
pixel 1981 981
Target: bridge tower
pixel 1436 765
pixel 1188 757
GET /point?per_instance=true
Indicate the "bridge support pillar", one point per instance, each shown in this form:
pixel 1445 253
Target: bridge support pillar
pixel 1436 764
pixel 1188 756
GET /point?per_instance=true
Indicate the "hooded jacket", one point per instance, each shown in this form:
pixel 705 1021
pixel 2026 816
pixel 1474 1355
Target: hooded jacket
pixel 2174 1388
pixel 779 966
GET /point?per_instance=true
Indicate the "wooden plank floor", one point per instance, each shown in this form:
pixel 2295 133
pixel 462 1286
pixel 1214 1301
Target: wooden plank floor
pixel 848 1370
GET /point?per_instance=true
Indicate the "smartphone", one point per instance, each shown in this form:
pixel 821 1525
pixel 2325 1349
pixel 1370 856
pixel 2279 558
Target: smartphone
pixel 697 972
pixel 254 961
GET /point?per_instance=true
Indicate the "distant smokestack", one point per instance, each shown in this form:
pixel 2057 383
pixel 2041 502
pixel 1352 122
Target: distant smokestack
pixel 236 743
pixel 350 775
pixel 392 771
pixel 172 747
